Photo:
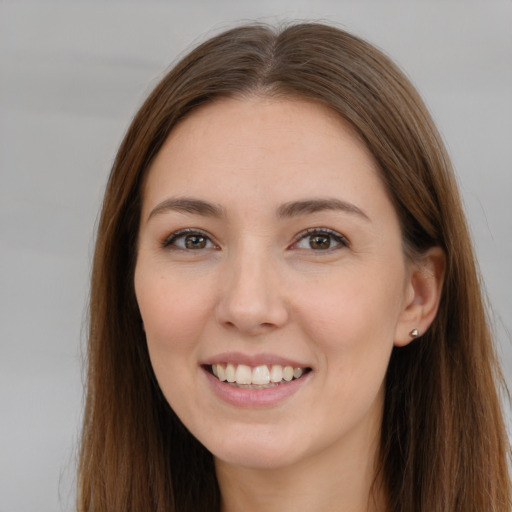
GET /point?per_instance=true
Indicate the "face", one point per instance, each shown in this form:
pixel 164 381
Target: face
pixel 271 281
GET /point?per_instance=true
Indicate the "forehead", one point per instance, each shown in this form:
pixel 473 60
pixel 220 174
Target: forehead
pixel 251 121
pixel 263 148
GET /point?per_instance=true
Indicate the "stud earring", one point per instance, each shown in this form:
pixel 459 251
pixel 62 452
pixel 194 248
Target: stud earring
pixel 414 333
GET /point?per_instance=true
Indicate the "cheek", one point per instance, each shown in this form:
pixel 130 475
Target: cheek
pixel 173 319
pixel 347 306
pixel 352 317
pixel 172 310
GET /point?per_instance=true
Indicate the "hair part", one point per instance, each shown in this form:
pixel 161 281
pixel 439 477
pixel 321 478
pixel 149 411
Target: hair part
pixel 443 444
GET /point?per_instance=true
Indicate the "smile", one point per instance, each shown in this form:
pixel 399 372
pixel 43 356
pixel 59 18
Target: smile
pixel 257 377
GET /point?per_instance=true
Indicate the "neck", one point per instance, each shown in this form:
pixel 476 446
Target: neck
pixel 343 478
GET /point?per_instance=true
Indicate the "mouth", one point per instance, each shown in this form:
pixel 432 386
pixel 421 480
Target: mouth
pixel 255 377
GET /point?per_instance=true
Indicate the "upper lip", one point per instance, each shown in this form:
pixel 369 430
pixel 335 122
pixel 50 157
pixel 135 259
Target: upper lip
pixel 253 360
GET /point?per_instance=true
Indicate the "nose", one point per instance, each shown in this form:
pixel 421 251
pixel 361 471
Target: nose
pixel 251 295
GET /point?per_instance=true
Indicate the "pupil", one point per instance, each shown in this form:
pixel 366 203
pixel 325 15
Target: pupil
pixel 195 242
pixel 320 242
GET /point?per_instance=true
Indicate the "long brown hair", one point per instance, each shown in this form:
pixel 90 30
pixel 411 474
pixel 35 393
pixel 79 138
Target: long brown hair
pixel 443 445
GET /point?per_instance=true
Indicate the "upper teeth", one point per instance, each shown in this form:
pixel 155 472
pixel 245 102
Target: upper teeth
pixel 259 375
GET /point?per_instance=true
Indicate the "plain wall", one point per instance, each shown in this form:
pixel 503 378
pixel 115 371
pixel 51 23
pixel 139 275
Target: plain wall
pixel 72 75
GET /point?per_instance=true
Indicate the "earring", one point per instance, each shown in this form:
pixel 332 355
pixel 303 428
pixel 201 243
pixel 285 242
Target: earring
pixel 414 333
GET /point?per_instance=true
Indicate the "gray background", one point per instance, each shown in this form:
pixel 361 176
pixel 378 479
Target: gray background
pixel 73 74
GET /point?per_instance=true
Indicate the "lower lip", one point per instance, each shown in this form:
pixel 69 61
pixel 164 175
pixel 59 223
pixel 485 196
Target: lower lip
pixel 264 397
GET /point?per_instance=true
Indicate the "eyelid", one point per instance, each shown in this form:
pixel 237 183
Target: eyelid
pixel 338 237
pixel 175 235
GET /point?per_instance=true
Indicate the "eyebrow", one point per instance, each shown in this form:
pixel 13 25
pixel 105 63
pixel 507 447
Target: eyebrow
pixel 287 210
pixel 308 206
pixel 188 205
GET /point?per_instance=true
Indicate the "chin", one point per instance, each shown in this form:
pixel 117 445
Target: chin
pixel 258 450
pixel 257 459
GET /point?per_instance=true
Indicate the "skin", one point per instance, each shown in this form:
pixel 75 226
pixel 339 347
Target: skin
pixel 257 286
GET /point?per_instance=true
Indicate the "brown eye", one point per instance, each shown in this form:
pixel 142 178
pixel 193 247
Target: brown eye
pixel 320 239
pixel 190 240
pixel 319 242
pixel 195 242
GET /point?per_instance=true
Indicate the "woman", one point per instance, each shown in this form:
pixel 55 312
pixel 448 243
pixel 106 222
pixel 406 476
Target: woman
pixel 285 311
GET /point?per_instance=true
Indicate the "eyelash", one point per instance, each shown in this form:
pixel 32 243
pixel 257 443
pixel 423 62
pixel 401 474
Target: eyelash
pixel 170 241
pixel 326 232
pixel 341 241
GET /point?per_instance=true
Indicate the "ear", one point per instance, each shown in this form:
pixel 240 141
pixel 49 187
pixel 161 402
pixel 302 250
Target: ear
pixel 422 295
